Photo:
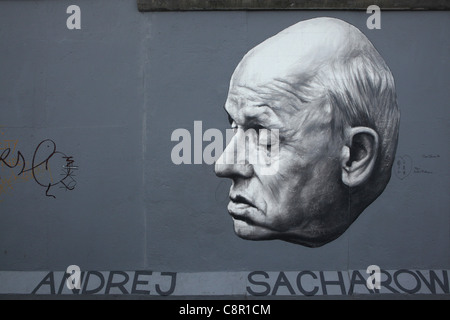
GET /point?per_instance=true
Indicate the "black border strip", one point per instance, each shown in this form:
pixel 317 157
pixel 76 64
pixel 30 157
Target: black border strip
pixel 233 5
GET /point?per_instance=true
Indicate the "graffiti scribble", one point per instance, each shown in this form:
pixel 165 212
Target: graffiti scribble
pixel 68 174
pixel 45 158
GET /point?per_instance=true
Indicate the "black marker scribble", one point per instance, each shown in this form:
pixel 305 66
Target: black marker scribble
pixel 67 173
pixel 431 156
pixel 43 154
pixel 403 166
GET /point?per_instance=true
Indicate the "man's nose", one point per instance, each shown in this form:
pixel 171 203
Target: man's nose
pixel 233 163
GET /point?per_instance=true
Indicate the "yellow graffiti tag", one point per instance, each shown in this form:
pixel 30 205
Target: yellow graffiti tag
pixel 11 145
pixel 7 183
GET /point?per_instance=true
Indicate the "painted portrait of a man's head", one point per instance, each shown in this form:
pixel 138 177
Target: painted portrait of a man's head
pixel 329 96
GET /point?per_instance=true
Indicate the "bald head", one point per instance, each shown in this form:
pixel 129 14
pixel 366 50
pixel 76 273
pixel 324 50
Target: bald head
pixel 331 96
pixel 299 51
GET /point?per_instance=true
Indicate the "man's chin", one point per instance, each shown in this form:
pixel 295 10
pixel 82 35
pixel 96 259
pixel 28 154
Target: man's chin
pixel 248 231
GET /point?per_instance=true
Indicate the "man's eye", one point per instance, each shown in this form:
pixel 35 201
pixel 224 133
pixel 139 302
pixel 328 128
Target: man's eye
pixel 258 129
pixel 268 138
pixel 263 136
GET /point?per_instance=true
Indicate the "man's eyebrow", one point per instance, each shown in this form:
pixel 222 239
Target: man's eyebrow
pixel 263 115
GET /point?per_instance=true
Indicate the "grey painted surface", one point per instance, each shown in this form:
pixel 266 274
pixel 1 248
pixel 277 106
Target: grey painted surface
pixel 111 94
pixel 83 89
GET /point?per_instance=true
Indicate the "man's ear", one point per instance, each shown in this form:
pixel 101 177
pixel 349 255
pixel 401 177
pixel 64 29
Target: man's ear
pixel 358 155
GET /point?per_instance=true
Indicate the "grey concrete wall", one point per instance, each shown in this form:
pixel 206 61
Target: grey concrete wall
pixel 111 94
pixel 194 63
pixel 84 90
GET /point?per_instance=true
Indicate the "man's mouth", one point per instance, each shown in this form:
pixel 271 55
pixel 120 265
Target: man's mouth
pixel 238 199
pixel 241 208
